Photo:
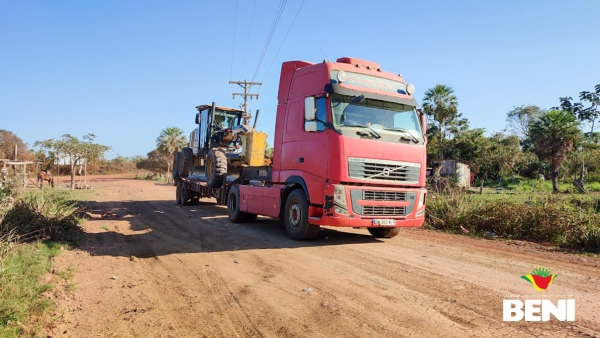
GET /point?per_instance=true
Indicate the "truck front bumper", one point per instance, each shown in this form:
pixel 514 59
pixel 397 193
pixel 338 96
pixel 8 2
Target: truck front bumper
pixel 364 206
pixel 355 222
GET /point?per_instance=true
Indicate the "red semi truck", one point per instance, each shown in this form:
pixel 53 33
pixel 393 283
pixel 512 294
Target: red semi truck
pixel 349 151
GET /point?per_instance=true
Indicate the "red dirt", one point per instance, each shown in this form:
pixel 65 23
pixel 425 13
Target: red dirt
pixel 188 272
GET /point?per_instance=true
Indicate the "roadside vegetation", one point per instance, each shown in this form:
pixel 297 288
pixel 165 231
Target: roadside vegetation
pixel 34 226
pixel 536 180
pixel 566 221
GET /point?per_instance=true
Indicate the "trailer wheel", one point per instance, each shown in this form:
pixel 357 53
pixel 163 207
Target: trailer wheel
pixel 233 208
pixel 175 168
pixel 186 195
pixel 295 217
pixel 216 167
pixel 178 192
pixel 186 160
pixel 195 198
pixel 384 232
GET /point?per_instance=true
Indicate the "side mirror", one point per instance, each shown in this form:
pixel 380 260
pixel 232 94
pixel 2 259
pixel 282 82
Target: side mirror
pixel 310 126
pixel 309 109
pixel 197 118
pixel 423 119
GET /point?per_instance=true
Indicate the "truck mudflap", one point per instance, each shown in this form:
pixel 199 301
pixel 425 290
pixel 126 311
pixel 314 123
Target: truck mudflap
pixel 355 222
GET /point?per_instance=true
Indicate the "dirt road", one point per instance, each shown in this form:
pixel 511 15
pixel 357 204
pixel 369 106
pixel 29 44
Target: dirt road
pixel 188 272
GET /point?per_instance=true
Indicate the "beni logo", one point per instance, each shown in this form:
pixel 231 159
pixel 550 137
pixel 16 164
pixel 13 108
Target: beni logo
pixel 513 310
pixel 540 278
pixel 535 310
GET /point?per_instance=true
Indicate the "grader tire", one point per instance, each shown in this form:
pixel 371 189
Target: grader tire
pixel 175 168
pixel 186 160
pixel 215 167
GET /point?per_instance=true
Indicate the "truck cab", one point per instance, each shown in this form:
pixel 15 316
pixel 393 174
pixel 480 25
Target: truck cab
pixel 349 151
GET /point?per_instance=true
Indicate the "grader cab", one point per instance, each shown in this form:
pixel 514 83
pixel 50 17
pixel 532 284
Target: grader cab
pixel 219 147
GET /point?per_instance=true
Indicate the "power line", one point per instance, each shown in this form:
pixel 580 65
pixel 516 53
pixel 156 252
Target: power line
pixel 248 39
pixel 233 44
pixel 270 36
pixel 285 37
pixel 246 85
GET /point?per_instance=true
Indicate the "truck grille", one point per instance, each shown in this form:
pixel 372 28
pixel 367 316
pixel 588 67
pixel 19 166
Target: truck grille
pixel 383 195
pixel 384 211
pixel 370 169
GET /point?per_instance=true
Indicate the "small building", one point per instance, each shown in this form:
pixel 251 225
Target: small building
pixel 455 168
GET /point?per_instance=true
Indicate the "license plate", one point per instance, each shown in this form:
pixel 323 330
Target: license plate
pixel 384 222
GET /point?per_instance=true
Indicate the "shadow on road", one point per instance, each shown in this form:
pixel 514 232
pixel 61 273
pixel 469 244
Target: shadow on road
pixel 156 228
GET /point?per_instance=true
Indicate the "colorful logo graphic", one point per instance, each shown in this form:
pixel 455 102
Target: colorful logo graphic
pixel 540 278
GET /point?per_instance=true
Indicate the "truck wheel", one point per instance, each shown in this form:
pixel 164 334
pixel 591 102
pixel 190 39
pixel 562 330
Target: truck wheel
pixel 195 198
pixel 178 193
pixel 175 168
pixel 384 232
pixel 216 167
pixel 233 208
pixel 295 217
pixel 186 195
pixel 186 160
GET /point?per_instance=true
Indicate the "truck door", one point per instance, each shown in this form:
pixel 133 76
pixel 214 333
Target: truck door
pixel 313 151
pixel 289 146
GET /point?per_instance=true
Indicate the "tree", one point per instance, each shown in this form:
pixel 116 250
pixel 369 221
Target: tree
pixel 8 140
pixel 74 149
pixel 465 145
pixel 585 114
pixel 170 141
pixel 519 121
pixel 440 104
pixel 507 153
pixel 553 135
pixel 155 163
pixel 481 162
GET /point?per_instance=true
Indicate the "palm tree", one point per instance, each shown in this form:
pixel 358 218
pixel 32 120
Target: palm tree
pixel 440 104
pixel 554 134
pixel 170 141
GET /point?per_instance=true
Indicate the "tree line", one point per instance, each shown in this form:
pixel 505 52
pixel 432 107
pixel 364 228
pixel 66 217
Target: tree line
pixel 536 141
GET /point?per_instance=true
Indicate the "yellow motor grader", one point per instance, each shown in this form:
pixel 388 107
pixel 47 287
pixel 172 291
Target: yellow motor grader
pixel 219 147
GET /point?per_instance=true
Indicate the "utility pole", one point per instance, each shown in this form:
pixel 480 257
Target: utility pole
pixel 246 85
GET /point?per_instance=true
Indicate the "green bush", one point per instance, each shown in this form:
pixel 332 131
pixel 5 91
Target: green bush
pixel 40 216
pixel 10 190
pixel 549 219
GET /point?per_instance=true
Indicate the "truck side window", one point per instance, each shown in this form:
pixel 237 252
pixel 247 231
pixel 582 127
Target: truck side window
pixel 321 113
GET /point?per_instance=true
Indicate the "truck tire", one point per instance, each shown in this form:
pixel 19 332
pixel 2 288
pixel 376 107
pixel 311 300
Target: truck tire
pixel 295 217
pixel 216 167
pixel 186 195
pixel 384 232
pixel 233 208
pixel 175 168
pixel 186 161
pixel 178 192
pixel 195 198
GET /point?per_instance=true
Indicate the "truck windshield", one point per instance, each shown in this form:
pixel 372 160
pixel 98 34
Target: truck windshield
pixel 375 114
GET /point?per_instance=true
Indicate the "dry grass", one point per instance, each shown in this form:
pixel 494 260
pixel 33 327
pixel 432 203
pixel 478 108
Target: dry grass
pixel 569 221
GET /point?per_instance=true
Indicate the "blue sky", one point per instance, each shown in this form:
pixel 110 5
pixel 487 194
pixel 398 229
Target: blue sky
pixel 124 70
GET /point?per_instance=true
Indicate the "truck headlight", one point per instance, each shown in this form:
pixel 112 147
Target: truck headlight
pixel 339 200
pixel 422 198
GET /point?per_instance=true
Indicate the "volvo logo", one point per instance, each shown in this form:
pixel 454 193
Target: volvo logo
pixel 385 172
